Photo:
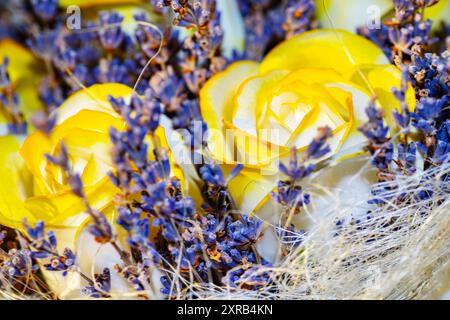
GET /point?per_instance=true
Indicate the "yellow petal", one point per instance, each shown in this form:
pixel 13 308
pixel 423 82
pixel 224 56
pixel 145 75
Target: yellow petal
pixel 319 118
pixel 309 104
pixel 94 98
pixel 22 63
pixel 89 120
pixel 55 209
pixel 352 91
pixel 251 189
pixel 349 14
pixel 254 152
pixel 382 80
pixel 16 184
pixel 217 95
pixel 251 98
pixel 438 13
pixel 325 78
pixel 338 50
pixel 82 144
pixel 216 103
pixel 33 151
pixel 94 171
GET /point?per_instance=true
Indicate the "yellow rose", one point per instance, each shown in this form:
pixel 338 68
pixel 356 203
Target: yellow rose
pixel 35 189
pixel 32 187
pixel 258 112
pixel 350 14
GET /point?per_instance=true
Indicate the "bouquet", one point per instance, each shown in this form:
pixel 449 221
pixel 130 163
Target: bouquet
pixel 224 149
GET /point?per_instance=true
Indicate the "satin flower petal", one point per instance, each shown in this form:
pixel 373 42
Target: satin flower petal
pixel 314 49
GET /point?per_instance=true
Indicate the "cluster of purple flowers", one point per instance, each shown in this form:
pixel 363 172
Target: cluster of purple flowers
pixel 20 263
pixel 406 38
pixel 103 52
pixel 44 246
pixel 268 22
pixel 402 35
pixel 377 132
pixel 206 244
pixel 16 262
pixel 97 53
pixel 430 78
pixel 290 194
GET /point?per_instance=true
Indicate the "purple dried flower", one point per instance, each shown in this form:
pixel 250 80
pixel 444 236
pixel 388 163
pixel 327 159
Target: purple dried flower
pixel 45 9
pixel 45 247
pixel 111 34
pixel 377 132
pixel 442 152
pixel 100 287
pixel 318 147
pixel 9 101
pixel 299 15
pixel 18 263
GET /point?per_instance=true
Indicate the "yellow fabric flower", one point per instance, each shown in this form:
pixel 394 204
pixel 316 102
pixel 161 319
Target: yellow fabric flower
pixel 350 14
pixel 258 112
pixel 34 188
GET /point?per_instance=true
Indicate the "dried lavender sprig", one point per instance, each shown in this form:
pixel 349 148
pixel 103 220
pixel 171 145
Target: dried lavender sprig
pixel 407 31
pixel 18 270
pixel 377 132
pixel 198 49
pixel 98 53
pixel 17 263
pixel 100 286
pixel 137 175
pixel 299 17
pixel 100 227
pixel 9 101
pixel 289 193
pixel 45 9
pixel 44 246
pixel 269 22
pixel 430 78
pixel 22 263
pixel 198 244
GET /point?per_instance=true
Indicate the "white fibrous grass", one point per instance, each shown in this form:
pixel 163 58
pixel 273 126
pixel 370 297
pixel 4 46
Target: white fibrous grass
pixel 400 250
